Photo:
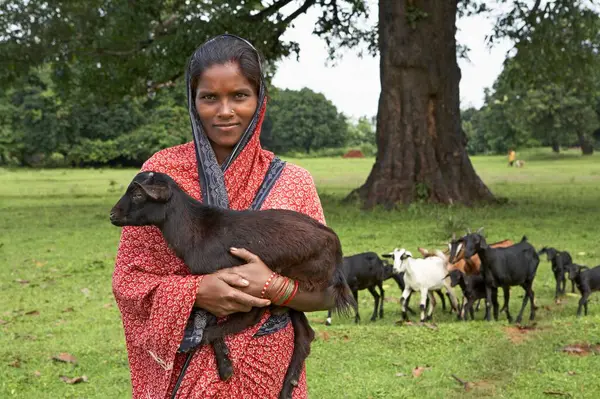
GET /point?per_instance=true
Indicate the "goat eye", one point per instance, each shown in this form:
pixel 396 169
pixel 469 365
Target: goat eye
pixel 137 196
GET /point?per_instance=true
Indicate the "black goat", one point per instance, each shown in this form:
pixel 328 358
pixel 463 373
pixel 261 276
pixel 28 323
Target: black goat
pixel 560 262
pixel 505 267
pixel 587 280
pixel 291 243
pixel 473 288
pixel 365 271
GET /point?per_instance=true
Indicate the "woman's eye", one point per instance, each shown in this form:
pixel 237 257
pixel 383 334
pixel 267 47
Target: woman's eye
pixel 241 95
pixel 208 97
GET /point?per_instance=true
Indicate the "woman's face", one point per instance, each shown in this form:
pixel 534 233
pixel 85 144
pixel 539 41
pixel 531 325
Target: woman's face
pixel 225 101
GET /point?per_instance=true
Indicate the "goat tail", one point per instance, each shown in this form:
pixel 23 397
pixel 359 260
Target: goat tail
pixel 343 300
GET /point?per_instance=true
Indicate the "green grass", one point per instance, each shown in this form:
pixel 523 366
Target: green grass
pixel 55 234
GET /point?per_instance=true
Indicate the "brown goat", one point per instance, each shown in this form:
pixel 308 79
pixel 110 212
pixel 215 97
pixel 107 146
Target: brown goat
pixel 471 265
pixel 291 243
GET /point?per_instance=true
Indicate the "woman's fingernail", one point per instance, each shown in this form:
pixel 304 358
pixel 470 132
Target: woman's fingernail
pixel 244 282
pixel 233 249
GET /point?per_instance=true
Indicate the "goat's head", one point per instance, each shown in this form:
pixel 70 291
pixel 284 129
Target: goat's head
pixel 455 277
pixel 456 249
pixel 144 201
pixel 399 256
pixel 550 253
pixel 474 242
pixel 574 270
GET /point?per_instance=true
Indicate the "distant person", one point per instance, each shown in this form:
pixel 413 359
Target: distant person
pixel 511 157
pixel 161 303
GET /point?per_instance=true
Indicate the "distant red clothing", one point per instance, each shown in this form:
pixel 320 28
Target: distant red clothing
pixel 155 291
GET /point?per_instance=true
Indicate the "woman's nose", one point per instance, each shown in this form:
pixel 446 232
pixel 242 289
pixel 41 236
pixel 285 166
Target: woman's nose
pixel 225 110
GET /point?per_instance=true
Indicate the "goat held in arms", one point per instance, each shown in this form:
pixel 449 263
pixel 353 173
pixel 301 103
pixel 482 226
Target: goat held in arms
pixel 290 243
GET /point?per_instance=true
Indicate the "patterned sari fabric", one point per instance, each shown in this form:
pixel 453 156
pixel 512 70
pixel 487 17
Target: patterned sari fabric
pixel 155 291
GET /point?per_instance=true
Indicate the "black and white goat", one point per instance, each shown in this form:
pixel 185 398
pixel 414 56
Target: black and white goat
pixel 560 262
pixel 423 275
pixel 587 280
pixel 505 267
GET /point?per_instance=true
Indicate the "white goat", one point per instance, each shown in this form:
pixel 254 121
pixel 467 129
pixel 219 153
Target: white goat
pixel 423 275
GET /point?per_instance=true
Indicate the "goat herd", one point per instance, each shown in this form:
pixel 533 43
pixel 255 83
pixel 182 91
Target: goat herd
pixel 477 267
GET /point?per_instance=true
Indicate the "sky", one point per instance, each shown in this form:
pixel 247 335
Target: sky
pixel 353 83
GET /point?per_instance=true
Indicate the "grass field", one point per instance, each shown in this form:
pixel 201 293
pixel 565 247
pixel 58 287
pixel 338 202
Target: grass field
pixel 57 250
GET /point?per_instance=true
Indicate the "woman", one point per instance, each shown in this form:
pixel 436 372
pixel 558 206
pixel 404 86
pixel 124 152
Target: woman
pixel 160 302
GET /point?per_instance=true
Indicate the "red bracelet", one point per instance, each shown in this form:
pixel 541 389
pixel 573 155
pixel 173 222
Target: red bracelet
pixel 281 291
pixel 264 290
pixel 293 294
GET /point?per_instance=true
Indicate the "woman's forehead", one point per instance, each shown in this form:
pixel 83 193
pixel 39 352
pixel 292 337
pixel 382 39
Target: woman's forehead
pixel 223 76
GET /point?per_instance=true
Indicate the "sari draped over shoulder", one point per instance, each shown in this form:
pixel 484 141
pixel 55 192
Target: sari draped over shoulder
pixel 155 291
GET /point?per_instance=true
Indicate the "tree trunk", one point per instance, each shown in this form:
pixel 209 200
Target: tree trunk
pixel 421 147
pixel 586 147
pixel 555 147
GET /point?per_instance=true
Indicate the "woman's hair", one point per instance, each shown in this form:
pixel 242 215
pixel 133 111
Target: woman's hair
pixel 221 50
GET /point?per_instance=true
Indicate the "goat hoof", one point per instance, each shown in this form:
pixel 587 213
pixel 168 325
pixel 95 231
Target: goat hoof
pixel 225 371
pixel 429 318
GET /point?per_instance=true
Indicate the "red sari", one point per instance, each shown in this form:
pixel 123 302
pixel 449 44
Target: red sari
pixel 155 291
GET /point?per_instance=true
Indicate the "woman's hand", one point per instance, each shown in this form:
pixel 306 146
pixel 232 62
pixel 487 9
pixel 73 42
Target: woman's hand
pixel 217 294
pixel 255 272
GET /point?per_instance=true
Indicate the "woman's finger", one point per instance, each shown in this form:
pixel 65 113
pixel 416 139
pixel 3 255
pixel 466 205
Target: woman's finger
pixel 248 300
pixel 244 254
pixel 234 279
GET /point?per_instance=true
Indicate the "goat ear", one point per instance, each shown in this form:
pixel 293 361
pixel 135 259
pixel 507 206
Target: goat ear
pixel 479 230
pixel 158 192
pixel 387 255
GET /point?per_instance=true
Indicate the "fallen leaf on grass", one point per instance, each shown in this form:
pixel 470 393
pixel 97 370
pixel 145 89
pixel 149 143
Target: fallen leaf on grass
pixel 557 393
pixel 40 264
pixel 21 281
pixel 431 326
pixel 69 309
pixel 85 292
pixel 571 372
pixel 107 305
pixel 400 375
pixel 417 371
pixel 32 313
pixel 74 380
pixel 581 349
pixel 324 335
pixel 15 363
pixel 65 358
pixel 3 322
pixel 37 373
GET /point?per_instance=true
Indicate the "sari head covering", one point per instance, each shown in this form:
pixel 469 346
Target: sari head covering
pixel 220 184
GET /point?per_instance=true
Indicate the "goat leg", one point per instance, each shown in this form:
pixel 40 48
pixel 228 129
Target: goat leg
pixel 357 316
pixel 380 285
pixel 214 335
pixel 495 303
pixel 328 321
pixel 488 302
pixel 526 298
pixel 376 301
pixel 506 303
pixel 303 336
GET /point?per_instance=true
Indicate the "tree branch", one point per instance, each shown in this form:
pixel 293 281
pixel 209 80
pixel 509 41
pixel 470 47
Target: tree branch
pixel 270 10
pixel 307 4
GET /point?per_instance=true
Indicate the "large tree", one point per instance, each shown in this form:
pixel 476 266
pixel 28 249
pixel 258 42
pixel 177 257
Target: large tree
pixel 120 47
